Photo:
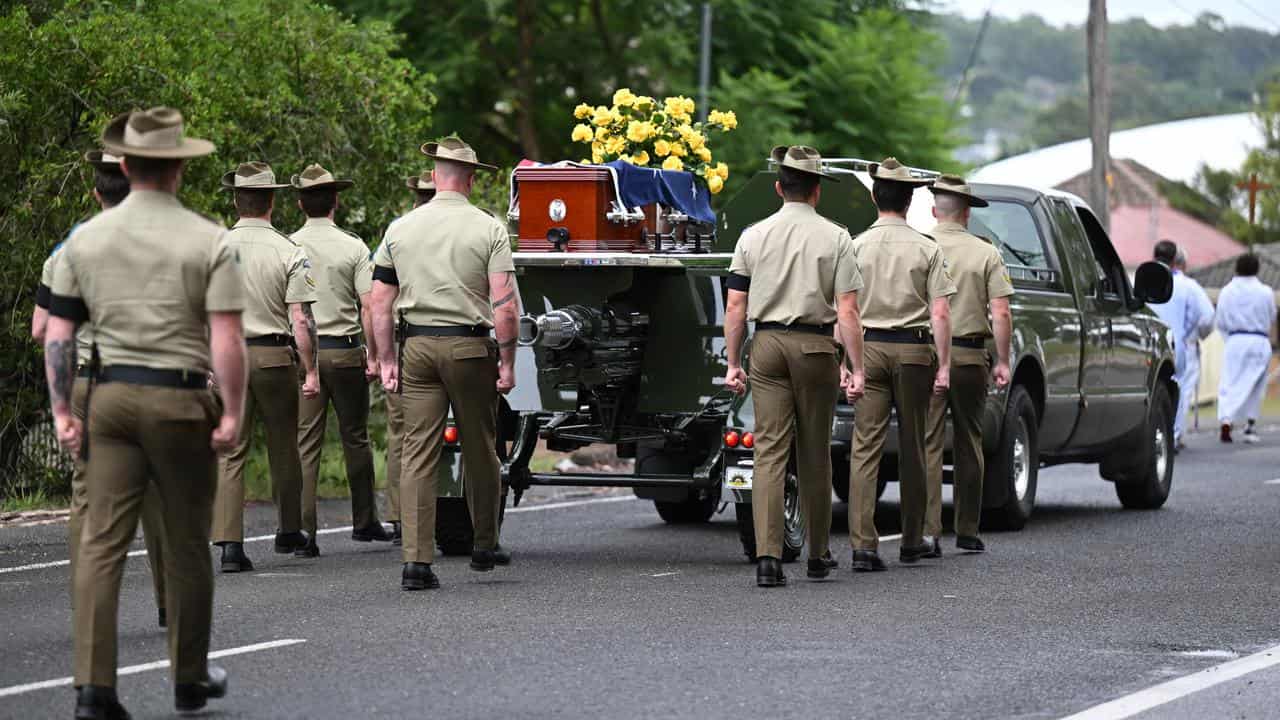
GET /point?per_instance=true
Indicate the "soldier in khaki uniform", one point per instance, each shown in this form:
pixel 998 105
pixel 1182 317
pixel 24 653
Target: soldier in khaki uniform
pixel 424 188
pixel 446 269
pixel 279 291
pixel 342 262
pixel 110 188
pixel 151 417
pixel 795 275
pixel 906 295
pixel 982 284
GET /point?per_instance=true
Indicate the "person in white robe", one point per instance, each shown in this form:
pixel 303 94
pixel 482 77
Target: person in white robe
pixel 1198 325
pixel 1246 311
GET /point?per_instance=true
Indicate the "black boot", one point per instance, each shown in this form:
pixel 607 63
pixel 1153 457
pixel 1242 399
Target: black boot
pixel 914 553
pixel 818 568
pixel 94 702
pixel 867 561
pixel 483 560
pixel 935 547
pixel 193 696
pixel 289 542
pixel 418 576
pixel 970 543
pixel 397 535
pixel 233 558
pixel 769 572
pixel 310 550
pixel 371 532
pixel 501 555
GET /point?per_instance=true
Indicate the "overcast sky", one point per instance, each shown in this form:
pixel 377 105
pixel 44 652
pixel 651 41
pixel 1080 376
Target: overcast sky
pixel 1262 14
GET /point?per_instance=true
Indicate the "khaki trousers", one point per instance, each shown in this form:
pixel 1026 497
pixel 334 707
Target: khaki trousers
pixel 342 383
pixel 141 436
pixel 273 394
pixel 152 519
pixel 899 375
pixel 440 372
pixel 794 380
pixel 967 398
pixel 395 440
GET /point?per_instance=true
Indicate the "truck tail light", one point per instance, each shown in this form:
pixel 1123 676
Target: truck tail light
pixel 451 434
pixel 731 439
pixel 748 440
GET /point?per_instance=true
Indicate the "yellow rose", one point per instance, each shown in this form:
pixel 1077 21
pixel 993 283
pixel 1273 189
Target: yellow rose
pixel 601 116
pixel 615 145
pixel 639 131
pixel 597 157
pixel 695 140
pixel 689 106
pixel 625 158
pixel 729 120
pixel 624 98
pixel 703 153
pixel 644 102
pixel 672 163
pixel 582 133
pixel 723 171
pixel 678 150
pixel 715 184
pixel 641 158
pixel 662 148
pixel 583 111
pixel 615 117
pixel 685 131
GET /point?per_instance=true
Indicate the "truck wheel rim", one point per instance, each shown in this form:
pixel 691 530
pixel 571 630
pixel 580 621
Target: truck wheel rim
pixel 1161 454
pixel 793 528
pixel 1021 467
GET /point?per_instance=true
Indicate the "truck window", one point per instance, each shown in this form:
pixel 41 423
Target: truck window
pixel 1112 279
pixel 1010 227
pixel 1087 273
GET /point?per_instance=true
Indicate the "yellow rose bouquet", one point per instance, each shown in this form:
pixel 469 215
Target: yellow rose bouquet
pixel 636 129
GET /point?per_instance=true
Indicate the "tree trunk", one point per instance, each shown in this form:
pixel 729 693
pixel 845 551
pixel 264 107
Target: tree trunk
pixel 526 101
pixel 1099 111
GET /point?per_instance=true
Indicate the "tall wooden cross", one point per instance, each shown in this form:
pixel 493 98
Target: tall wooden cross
pixel 1254 187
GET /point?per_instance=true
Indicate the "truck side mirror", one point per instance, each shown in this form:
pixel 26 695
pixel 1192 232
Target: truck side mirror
pixel 1153 282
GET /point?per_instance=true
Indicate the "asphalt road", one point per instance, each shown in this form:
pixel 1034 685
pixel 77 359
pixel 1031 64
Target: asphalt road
pixel 608 613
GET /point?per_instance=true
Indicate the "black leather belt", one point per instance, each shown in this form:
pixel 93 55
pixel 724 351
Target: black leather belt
pixel 973 342
pixel 1250 332
pixel 411 330
pixel 338 342
pixel 917 336
pixel 269 341
pixel 136 375
pixel 828 330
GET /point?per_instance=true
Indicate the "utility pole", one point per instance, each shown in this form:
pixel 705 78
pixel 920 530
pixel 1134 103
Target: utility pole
pixel 1099 110
pixel 704 64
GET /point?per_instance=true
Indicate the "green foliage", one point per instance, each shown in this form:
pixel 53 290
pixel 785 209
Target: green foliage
pixel 285 81
pixel 1029 79
pixel 849 77
pixel 1265 162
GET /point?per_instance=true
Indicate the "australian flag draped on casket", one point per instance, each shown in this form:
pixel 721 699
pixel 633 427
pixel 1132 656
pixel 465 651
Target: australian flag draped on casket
pixel 615 207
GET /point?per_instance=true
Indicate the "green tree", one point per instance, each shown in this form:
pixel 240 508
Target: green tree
pixel 1265 162
pixel 286 81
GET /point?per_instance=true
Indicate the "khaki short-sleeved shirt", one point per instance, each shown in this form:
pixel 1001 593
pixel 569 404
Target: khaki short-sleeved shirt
pixel 84 339
pixel 149 272
pixel 343 270
pixel 277 274
pixel 441 254
pixel 904 271
pixel 799 263
pixel 979 274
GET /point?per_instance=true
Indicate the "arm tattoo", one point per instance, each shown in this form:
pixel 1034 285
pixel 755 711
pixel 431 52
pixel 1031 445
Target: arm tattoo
pixel 62 358
pixel 510 279
pixel 311 333
pixel 508 344
pixel 504 299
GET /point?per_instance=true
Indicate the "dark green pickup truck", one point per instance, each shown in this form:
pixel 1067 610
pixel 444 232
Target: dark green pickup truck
pixel 1092 365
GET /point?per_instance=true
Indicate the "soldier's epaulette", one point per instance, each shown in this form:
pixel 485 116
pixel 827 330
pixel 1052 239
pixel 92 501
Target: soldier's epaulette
pixel 988 240
pixel 273 229
pixel 928 236
pixel 348 232
pixel 842 226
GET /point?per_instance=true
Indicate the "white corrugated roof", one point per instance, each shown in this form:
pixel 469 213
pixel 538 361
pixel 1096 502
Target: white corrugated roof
pixel 1176 150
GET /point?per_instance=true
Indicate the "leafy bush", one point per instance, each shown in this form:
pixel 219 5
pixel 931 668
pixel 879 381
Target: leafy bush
pixel 285 81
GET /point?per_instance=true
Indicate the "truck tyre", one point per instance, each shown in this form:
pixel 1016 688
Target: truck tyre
pixel 793 529
pixel 454 534
pixel 1146 485
pixel 1015 464
pixel 688 512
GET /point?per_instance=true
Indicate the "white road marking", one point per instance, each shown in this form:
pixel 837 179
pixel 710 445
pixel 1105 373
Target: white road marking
pixel 666 574
pixel 157 665
pixel 1272 482
pixel 331 531
pixel 1166 692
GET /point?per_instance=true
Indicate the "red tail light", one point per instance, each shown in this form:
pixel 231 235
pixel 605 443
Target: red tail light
pixel 731 439
pixel 451 434
pixel 748 440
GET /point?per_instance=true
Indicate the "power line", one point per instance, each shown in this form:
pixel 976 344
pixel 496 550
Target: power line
pixel 1255 11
